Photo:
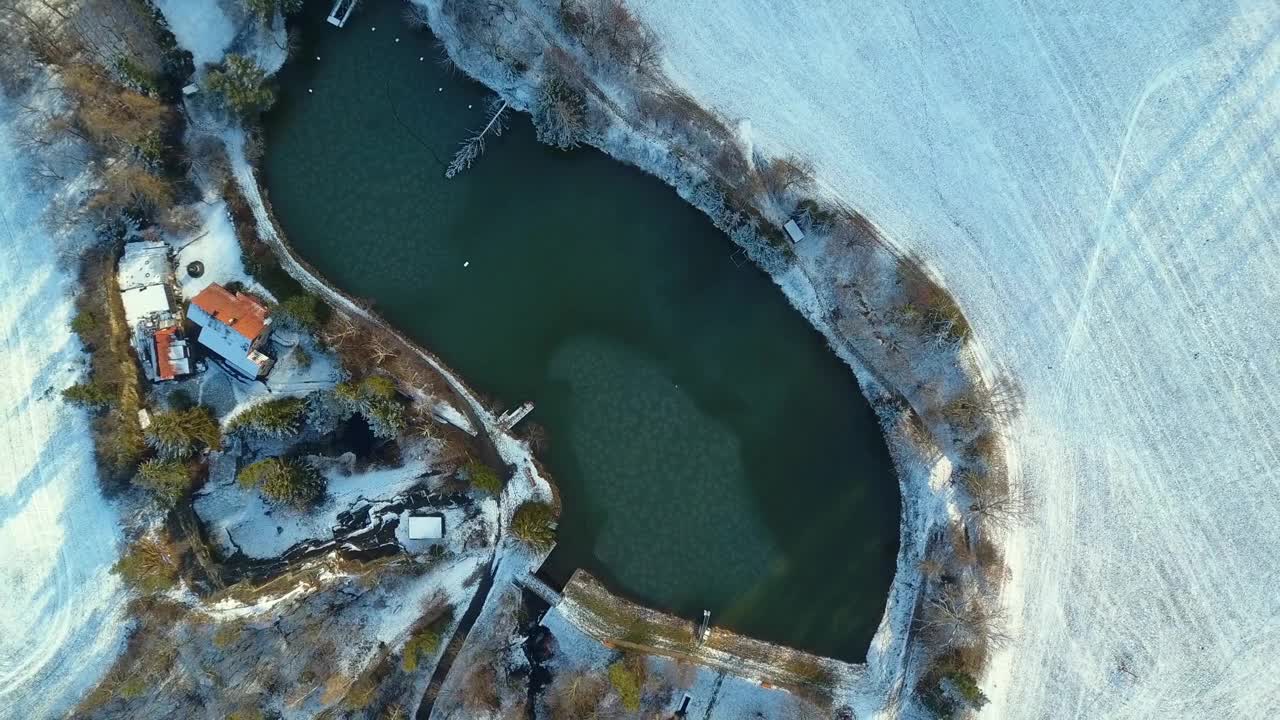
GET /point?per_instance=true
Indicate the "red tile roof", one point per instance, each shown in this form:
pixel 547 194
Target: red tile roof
pixel 164 366
pixel 243 313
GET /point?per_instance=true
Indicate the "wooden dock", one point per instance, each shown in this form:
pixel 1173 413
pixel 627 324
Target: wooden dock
pixel 341 12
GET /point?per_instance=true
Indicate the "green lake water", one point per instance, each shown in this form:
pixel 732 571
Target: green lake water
pixel 710 449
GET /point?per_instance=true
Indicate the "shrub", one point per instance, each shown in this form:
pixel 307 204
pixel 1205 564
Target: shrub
pixel 559 113
pixel 177 434
pixel 274 418
pixel 92 395
pixel 484 478
pixel 304 311
pixel 375 397
pixel 150 564
pixel 289 482
pixel 928 304
pixel 242 85
pixel 266 9
pixel 535 523
pixel 169 480
pixel 627 676
pixel 84 324
pixel 426 640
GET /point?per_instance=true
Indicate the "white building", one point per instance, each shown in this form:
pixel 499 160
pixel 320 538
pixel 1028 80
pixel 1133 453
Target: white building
pixel 233 326
pixel 426 527
pixel 144 274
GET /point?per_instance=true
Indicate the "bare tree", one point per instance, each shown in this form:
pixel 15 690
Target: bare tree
pixel 473 147
pixel 993 501
pixel 959 618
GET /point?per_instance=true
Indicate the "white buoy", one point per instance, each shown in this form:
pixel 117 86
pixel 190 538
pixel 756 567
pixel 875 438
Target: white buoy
pixel 397 39
pixel 317 57
pixel 420 59
pixel 439 89
pixel 372 29
pixel 310 90
pixel 466 264
pixel 468 107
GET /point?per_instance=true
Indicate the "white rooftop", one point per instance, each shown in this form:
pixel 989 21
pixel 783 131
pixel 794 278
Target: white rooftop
pixel 139 302
pixel 430 527
pixel 143 263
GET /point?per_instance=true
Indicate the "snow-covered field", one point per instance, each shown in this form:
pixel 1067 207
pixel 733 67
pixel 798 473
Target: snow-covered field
pixel 62 617
pixel 1098 183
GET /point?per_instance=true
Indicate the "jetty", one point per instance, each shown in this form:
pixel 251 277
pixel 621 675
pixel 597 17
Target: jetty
pixel 341 12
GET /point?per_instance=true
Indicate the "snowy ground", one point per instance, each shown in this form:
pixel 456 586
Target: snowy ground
pixel 61 610
pixel 1096 182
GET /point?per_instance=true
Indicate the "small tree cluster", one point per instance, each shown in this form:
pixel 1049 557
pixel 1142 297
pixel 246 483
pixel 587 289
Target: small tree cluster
pixel 266 9
pixel 242 85
pixel 483 478
pixel 178 434
pixel 627 678
pixel 559 113
pixel 168 480
pixel 92 395
pixel 150 564
pixel 277 418
pixel 535 523
pixel 611 32
pixel 425 642
pixel 376 398
pixel 285 481
pixel 304 311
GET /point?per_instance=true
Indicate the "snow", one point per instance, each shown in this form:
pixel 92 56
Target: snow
pixel 202 27
pixel 62 618
pixel 1096 182
pixel 240 518
pixel 216 246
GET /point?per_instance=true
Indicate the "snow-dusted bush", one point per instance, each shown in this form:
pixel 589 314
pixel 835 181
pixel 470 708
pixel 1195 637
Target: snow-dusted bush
pixel 242 85
pixel 168 480
pixel 274 418
pixel 559 115
pixel 150 564
pixel 535 523
pixel 178 434
pixel 377 400
pixel 291 482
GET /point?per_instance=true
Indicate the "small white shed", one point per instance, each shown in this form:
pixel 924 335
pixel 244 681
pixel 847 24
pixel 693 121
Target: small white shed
pixel 426 527
pixel 794 231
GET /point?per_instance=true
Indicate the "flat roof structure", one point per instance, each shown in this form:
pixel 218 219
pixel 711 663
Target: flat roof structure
pixel 426 527
pixel 143 275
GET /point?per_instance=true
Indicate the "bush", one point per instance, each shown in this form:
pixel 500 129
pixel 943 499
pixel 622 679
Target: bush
pixel 92 395
pixel 150 564
pixel 928 305
pixel 304 311
pixel 484 478
pixel 274 418
pixel 375 397
pixel 178 434
pixel 84 324
pixel 242 85
pixel 627 676
pixel 285 481
pixel 535 523
pixel 559 113
pixel 169 480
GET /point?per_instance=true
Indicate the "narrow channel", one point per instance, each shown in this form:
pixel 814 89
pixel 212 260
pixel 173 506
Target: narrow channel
pixel 711 451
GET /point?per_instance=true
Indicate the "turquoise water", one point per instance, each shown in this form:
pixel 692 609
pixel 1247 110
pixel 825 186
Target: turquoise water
pixel 711 451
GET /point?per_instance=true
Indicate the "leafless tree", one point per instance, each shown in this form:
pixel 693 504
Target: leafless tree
pixel 473 147
pixel 993 501
pixel 958 618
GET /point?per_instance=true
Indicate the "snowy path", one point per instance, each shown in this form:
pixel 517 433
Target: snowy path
pixel 61 609
pixel 1099 184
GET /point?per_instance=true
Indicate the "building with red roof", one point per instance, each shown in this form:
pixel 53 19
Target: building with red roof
pixel 234 326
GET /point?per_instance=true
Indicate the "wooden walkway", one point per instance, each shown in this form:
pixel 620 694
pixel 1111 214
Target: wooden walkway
pixel 341 12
